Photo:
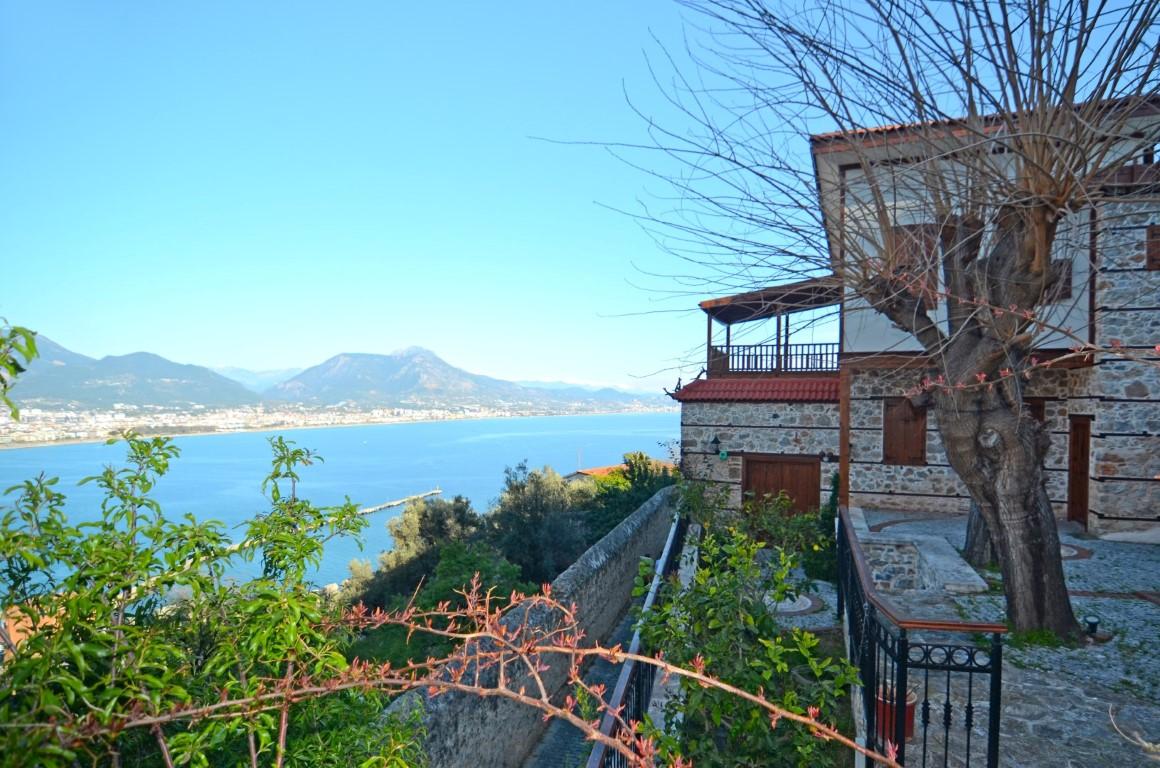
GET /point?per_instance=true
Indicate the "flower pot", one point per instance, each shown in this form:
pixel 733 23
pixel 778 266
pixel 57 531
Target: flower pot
pixel 884 714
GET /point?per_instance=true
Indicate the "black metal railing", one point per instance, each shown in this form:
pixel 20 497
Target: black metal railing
pixel 633 692
pixel 940 668
pixel 773 358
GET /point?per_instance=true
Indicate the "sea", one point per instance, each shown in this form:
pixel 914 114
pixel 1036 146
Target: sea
pixel 219 476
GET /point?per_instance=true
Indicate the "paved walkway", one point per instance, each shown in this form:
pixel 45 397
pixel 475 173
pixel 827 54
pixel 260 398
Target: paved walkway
pixel 563 746
pixel 1058 703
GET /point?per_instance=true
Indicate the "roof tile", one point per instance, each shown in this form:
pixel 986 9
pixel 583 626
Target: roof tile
pixel 779 389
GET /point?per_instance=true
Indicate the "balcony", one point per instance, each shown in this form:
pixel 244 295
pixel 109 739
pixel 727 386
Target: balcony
pixel 803 305
pixel 766 359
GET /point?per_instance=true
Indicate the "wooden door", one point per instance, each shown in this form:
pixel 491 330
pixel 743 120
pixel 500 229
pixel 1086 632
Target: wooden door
pixel 799 476
pixel 1078 460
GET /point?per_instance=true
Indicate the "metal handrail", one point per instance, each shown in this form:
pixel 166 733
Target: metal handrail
pixel 631 668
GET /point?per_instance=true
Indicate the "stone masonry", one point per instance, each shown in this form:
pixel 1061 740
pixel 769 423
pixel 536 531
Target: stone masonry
pixel 769 428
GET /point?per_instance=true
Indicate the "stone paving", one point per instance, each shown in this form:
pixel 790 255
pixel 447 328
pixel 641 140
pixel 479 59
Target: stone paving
pixel 1058 703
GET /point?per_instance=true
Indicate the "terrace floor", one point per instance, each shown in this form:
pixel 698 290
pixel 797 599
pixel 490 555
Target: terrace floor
pixel 1058 702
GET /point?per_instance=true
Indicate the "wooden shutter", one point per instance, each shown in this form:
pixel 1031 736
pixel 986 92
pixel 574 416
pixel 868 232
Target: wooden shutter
pixel 1037 407
pixel 903 432
pixel 915 259
pixel 1153 246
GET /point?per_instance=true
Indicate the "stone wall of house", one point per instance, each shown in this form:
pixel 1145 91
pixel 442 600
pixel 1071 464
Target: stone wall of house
pixel 798 429
pixel 934 487
pixel 489 732
pixel 1125 447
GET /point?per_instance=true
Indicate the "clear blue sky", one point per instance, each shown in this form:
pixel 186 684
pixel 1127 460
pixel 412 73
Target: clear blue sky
pixel 268 184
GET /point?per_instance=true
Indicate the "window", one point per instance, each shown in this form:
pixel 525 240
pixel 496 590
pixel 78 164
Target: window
pixel 915 260
pixel 1153 246
pixel 1060 287
pixel 1037 407
pixel 903 432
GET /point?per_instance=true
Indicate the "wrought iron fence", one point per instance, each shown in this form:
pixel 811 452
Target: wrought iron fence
pixel 940 668
pixel 634 686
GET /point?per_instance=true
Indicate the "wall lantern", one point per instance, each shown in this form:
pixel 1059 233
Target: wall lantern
pixel 715 444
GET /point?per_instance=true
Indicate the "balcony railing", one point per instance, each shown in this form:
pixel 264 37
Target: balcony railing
pixel 940 668
pixel 772 358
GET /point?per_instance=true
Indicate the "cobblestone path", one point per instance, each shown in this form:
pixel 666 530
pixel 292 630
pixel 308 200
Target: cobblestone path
pixel 1059 703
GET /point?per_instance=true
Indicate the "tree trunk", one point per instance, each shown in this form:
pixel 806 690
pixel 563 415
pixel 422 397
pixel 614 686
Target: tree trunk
pixel 978 551
pixel 998 451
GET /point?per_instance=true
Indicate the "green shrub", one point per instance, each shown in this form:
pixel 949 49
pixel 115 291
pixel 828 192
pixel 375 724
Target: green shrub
pixel 457 564
pixel 622 491
pixel 724 618
pixel 537 523
pixel 109 647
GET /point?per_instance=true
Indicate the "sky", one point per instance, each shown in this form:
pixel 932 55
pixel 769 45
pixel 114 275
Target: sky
pixel 265 185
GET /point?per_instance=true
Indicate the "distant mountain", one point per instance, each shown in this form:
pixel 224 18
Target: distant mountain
pixel 258 381
pixel 581 389
pixel 418 376
pixel 413 376
pixel 60 377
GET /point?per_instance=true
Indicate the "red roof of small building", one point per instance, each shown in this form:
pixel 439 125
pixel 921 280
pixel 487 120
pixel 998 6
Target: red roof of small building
pixel 780 389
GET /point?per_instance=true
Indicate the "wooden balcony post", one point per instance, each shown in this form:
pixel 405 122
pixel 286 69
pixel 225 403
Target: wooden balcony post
pixel 709 344
pixel 777 346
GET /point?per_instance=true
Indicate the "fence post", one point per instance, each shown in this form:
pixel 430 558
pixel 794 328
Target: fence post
pixel 869 664
pixel 840 553
pixel 996 696
pixel 900 695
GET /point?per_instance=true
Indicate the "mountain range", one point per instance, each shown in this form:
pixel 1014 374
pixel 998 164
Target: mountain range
pixel 414 378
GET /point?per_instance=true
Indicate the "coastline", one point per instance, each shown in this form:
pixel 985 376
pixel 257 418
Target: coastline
pixel 18 445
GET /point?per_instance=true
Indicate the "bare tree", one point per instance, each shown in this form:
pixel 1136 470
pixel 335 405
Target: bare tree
pixel 1005 123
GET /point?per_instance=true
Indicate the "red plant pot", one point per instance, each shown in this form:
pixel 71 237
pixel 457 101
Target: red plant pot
pixel 884 714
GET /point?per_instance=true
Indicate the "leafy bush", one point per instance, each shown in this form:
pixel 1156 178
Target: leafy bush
pixel 622 491
pixel 427 524
pixel 104 649
pixel 457 565
pixel 723 623
pixel 424 527
pixel 810 535
pixel 537 524
pixel 820 561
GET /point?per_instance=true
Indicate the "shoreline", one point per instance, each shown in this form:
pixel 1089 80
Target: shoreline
pixel 19 445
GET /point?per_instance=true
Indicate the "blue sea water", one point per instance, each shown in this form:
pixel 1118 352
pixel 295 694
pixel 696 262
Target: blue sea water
pixel 218 477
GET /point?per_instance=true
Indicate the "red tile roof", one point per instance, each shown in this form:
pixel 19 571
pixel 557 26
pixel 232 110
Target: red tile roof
pixel 779 389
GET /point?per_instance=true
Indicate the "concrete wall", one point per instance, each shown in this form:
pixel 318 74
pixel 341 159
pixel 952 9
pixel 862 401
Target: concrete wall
pixel 778 428
pixel 488 732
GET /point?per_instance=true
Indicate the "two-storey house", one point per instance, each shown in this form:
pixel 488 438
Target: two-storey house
pixel 783 415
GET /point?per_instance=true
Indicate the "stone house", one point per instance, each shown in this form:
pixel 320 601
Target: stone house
pixel 780 414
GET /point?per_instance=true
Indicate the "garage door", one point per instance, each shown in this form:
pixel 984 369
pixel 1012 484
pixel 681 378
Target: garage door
pixel 799 476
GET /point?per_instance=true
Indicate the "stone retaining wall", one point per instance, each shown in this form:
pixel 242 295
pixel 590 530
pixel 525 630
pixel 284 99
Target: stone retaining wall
pixel 466 730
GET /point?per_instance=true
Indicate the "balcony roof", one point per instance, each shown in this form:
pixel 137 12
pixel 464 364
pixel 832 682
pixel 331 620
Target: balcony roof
pixel 775 300
pixel 767 389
